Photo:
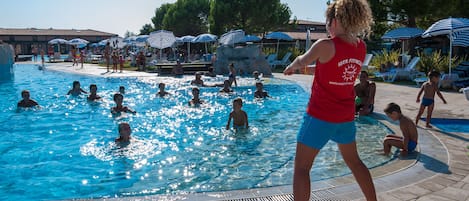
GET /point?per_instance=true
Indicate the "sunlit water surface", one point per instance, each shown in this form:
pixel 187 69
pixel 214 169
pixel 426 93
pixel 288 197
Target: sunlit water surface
pixel 66 149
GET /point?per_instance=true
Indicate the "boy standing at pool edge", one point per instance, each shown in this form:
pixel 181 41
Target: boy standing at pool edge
pixel 331 109
pixel 429 89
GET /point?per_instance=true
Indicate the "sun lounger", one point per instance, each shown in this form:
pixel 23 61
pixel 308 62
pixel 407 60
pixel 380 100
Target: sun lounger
pixel 284 62
pixel 408 72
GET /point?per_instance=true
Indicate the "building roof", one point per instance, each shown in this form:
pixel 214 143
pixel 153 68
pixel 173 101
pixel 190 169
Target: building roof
pixel 52 32
pixel 307 22
pixel 302 35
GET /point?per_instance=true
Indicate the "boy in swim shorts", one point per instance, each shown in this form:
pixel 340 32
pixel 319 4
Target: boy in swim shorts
pixel 26 102
pixel 429 89
pixel 239 116
pixel 408 142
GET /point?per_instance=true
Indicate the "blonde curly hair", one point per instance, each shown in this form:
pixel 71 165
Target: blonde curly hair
pixel 354 15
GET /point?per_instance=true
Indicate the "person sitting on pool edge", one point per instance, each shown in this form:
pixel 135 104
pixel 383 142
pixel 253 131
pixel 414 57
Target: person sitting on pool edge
pixel 408 142
pixel 162 92
pixel 365 95
pixel 195 101
pixel 76 90
pixel 260 93
pixel 177 70
pixel 239 116
pixel 26 101
pixel 124 133
pixel 119 99
pixel 93 93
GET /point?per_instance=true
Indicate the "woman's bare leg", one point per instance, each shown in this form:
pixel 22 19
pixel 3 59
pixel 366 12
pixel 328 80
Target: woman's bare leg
pixel 359 170
pixel 303 162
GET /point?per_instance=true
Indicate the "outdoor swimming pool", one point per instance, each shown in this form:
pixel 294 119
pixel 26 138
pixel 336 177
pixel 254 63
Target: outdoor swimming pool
pixel 66 149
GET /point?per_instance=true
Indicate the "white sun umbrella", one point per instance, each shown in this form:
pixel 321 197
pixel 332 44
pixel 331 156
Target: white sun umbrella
pixel 461 38
pixel 308 39
pixel 205 38
pixel 447 27
pixel 161 39
pixel 232 37
pixel 57 42
pixel 187 39
pixel 117 42
pixel 78 41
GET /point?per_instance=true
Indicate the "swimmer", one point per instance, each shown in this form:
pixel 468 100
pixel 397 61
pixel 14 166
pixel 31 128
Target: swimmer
pixel 119 99
pixel 260 93
pixel 76 90
pixel 239 116
pixel 195 101
pixel 93 90
pixel 162 92
pixel 226 87
pixel 122 89
pixel 27 102
pixel 198 81
pixel 124 133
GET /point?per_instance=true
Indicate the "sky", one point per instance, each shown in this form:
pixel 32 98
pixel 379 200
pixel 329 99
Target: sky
pixel 112 16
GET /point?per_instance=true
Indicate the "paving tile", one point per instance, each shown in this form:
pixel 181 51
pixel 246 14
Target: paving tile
pixel 433 198
pixel 404 194
pixel 431 186
pixel 453 193
pixel 442 181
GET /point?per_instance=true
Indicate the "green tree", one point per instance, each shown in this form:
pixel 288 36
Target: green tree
pixel 253 16
pixel 146 29
pixel 187 17
pixel 129 33
pixel 160 13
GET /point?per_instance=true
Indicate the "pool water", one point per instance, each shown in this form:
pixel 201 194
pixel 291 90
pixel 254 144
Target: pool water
pixel 451 125
pixel 66 149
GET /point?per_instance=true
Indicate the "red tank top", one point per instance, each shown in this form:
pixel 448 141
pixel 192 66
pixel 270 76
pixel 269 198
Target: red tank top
pixel 333 96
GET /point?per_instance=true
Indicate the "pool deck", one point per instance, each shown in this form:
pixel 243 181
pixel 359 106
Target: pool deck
pixel 439 171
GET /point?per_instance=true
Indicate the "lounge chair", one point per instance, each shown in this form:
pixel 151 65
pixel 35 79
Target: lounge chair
pixel 407 72
pixel 271 58
pixel 284 62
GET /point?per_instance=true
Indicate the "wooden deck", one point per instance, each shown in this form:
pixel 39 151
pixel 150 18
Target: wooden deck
pixel 189 68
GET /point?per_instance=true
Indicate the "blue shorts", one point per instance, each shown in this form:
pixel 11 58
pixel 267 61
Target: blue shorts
pixel 411 146
pixel 315 133
pixel 427 101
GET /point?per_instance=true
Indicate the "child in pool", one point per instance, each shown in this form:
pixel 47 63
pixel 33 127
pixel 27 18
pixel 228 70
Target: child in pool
pixel 195 101
pixel 93 93
pixel 119 99
pixel 26 102
pixel 260 93
pixel 226 87
pixel 76 90
pixel 124 133
pixel 408 142
pixel 162 92
pixel 429 89
pixel 122 90
pixel 239 116
pixel 198 80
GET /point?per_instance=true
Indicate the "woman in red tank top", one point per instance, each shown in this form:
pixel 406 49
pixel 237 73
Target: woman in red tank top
pixel 331 107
